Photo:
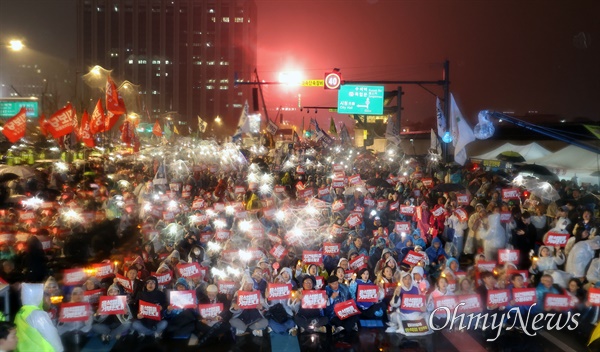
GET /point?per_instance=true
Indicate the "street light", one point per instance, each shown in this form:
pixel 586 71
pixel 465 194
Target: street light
pixel 218 120
pixel 16 45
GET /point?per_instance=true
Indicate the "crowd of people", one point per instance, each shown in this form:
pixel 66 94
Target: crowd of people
pixel 305 240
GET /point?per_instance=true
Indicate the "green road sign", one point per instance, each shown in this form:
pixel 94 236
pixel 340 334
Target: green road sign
pixel 9 107
pixel 364 100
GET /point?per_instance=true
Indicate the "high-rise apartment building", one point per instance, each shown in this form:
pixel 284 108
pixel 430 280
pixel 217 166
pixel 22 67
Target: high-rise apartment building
pixel 184 54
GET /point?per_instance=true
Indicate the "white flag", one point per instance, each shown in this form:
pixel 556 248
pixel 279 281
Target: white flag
pixel 435 143
pixel 244 123
pixel 441 119
pixel 392 131
pixel 462 134
pixel 272 127
pixel 202 125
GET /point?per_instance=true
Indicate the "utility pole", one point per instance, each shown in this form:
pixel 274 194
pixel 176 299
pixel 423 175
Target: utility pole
pixel 446 86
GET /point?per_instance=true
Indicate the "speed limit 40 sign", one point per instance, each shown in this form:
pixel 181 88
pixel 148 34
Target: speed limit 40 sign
pixel 333 80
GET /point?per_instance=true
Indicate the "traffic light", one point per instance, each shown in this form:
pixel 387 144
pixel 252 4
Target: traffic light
pixel 333 80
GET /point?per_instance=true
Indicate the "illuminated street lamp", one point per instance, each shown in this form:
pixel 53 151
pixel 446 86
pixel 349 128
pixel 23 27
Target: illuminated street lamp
pixel 218 120
pixel 290 78
pixel 16 45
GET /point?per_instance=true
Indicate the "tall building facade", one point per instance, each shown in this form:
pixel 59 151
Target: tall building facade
pixel 184 54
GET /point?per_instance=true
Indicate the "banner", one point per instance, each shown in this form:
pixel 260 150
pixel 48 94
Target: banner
pixel 472 303
pixel 389 289
pixel 312 257
pixel 190 270
pixel 279 291
pixel 407 210
pixel 103 270
pixel 183 299
pixel 594 296
pixel 463 199
pixel 505 217
pixel 346 309
pixel 92 296
pixel 554 239
pixel 74 277
pixel 331 249
pixel 149 310
pixel 444 301
pixel 226 287
pixel 412 302
pixel 510 193
pixel 402 226
pixel 323 191
pixel 556 302
pixel 498 298
pixel 248 299
pixel 412 258
pixel 314 299
pixel 125 282
pixel 108 305
pixel 461 214
pixel 508 256
pixel 353 220
pixel 415 326
pixel 70 312
pixel 359 262
pixel 367 293
pixel 163 278
pixel 210 311
pixel 524 296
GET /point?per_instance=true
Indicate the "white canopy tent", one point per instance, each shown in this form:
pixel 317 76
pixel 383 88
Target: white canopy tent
pixel 572 161
pixel 529 151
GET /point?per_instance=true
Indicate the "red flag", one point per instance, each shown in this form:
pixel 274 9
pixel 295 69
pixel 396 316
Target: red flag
pixel 76 129
pixel 14 128
pixel 43 125
pixel 111 120
pixel 114 103
pixel 84 131
pixel 127 132
pixel 97 120
pixel 156 130
pixel 61 122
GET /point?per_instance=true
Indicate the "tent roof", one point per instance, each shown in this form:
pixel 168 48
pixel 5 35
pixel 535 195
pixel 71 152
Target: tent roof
pixel 571 158
pixel 529 151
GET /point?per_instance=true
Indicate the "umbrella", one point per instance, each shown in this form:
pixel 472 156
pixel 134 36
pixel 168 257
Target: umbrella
pixel 378 182
pixel 20 171
pixel 9 176
pixel 448 187
pixel 545 192
pixel 537 171
pixel 510 156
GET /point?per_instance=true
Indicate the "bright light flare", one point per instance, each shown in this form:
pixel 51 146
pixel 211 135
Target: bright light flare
pixel 33 203
pixel 213 246
pixel 220 223
pixel 245 255
pixel 60 166
pixel 279 215
pixel 16 45
pixel 244 225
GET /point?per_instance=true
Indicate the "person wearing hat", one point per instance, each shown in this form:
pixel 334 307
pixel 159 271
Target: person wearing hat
pixel 338 293
pixel 312 320
pixel 244 319
pixel 112 326
pixel 207 328
pixel 405 286
pixel 35 331
pixel 151 294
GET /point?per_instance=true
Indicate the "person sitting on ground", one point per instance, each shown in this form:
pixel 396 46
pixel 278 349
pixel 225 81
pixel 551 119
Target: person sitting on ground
pixel 112 326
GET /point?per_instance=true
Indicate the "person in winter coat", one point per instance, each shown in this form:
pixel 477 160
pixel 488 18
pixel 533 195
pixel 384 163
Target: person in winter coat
pixel 435 251
pixel 280 312
pixel 112 326
pixel 338 293
pixel 244 319
pixel 151 294
pixel 523 237
pixel 34 261
pixel 441 289
pixel 459 227
pixel 313 320
pixel 387 253
pixel 207 328
pixel 35 331
pixel 76 327
pixel 181 321
pixel 369 310
pixel 545 286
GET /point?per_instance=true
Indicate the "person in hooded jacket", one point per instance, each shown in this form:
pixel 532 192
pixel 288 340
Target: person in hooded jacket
pixel 198 255
pixel 399 315
pixel 244 319
pixel 280 312
pixel 207 328
pixel 35 331
pixel 68 330
pixel 151 294
pixel 493 236
pixel 115 325
pixel 376 252
pixel 307 319
pixel 548 259
pixel 182 321
pixel 434 252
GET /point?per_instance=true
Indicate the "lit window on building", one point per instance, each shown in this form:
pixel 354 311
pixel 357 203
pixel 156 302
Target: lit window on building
pixel 223 63
pixel 239 20
pixel 166 62
pixel 210 62
pixel 210 81
pixel 226 19
pixel 224 81
pixel 141 62
pixel 197 62
pixel 223 87
pixel 116 8
pixel 211 11
pixel 213 19
pixel 130 62
pixel 210 87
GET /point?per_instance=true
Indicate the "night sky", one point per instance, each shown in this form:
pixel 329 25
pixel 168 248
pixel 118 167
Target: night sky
pixel 506 55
